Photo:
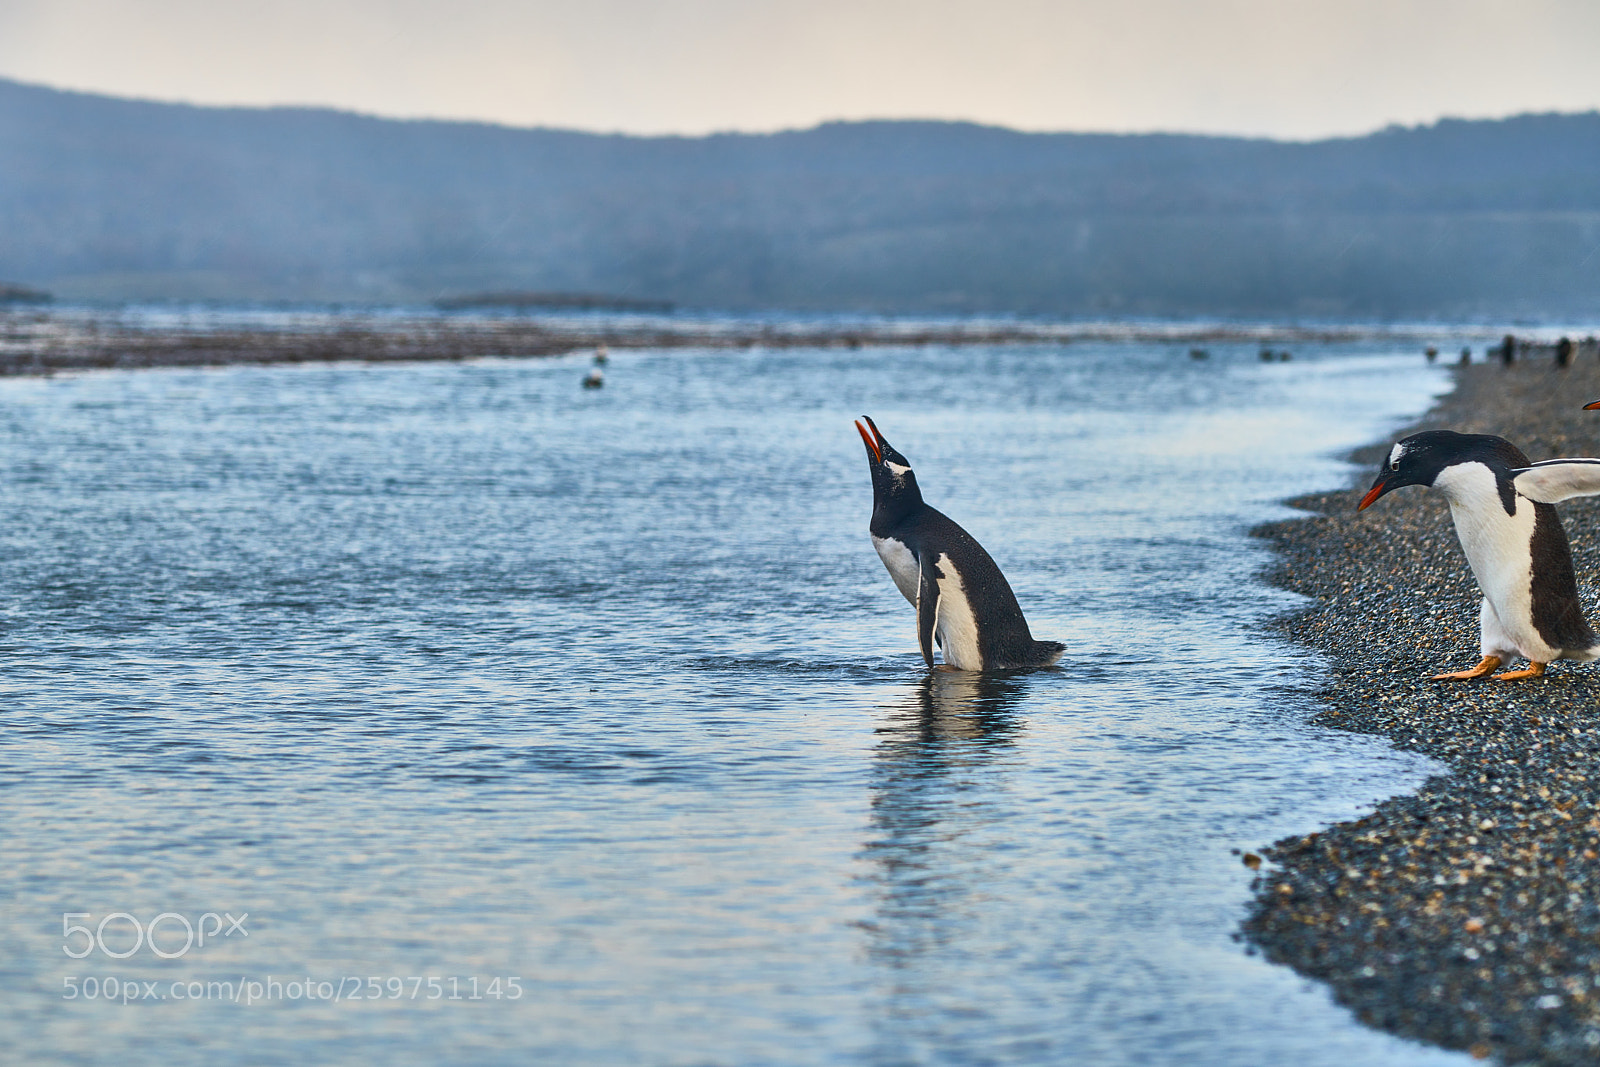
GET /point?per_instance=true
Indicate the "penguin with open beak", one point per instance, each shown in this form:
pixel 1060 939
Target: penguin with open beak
pixel 964 604
pixel 1514 543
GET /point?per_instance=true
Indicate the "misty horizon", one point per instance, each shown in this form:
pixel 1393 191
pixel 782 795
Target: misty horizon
pixel 817 124
pixel 110 199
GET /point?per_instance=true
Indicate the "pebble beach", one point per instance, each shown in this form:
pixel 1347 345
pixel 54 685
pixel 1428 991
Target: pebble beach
pixel 1466 915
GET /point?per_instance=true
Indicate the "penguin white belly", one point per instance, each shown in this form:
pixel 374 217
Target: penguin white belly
pixel 1499 550
pixel 956 624
pixel 902 566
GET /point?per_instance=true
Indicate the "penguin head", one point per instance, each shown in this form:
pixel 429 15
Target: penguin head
pixel 1423 457
pixel 894 483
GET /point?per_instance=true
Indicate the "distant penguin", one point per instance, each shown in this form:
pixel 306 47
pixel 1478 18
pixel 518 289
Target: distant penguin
pixel 602 355
pixel 1432 353
pixel 1514 543
pixel 594 379
pixel 1564 352
pixel 963 602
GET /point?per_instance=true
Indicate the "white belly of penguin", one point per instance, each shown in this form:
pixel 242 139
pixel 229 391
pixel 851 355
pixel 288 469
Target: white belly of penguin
pixel 902 566
pixel 956 624
pixel 1499 549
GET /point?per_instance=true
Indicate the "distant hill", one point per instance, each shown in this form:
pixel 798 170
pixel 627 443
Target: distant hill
pixel 106 198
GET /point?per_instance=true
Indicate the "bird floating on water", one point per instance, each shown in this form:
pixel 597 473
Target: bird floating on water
pixel 964 604
pixel 594 379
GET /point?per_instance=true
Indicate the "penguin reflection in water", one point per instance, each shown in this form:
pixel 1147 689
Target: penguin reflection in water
pixel 1514 542
pixel 963 602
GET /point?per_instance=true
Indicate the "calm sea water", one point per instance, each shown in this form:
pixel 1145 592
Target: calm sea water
pixel 464 680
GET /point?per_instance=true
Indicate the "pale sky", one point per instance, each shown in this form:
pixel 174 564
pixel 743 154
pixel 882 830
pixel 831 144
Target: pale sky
pixel 1283 68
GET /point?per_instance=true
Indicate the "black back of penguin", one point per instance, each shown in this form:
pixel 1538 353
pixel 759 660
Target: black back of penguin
pixel 1004 639
pixel 1557 611
pixel 900 517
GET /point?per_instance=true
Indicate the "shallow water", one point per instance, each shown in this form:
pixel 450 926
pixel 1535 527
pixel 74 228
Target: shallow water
pixel 458 671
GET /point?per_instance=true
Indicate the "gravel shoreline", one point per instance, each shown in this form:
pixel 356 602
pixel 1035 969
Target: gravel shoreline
pixel 1466 915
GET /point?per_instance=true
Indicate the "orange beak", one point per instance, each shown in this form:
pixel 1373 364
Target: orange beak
pixel 1372 494
pixel 872 445
pixel 1592 407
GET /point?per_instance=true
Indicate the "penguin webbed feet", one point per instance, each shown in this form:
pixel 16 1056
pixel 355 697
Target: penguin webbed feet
pixel 1487 665
pixel 1533 670
pixel 1483 667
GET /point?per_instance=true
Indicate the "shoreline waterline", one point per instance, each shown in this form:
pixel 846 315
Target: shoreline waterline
pixel 37 340
pixel 1463 914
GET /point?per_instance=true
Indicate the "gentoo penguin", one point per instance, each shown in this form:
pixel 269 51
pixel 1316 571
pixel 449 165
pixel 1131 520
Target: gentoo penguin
pixel 963 601
pixel 1514 543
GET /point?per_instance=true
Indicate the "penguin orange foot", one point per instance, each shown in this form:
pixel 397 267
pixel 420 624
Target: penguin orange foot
pixel 1483 667
pixel 1533 670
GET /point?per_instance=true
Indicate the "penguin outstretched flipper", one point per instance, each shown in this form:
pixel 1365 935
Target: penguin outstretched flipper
pixel 964 604
pixel 1554 480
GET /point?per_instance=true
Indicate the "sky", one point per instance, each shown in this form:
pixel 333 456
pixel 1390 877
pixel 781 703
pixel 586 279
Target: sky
pixel 1281 68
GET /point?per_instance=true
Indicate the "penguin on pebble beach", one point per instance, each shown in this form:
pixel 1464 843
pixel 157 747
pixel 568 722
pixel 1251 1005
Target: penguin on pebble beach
pixel 1513 541
pixel 963 602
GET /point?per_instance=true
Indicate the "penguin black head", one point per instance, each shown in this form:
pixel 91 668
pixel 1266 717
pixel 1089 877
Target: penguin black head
pixel 1422 457
pixel 894 484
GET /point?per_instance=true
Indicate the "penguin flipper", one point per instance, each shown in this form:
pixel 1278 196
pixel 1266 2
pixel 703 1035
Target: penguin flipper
pixel 927 610
pixel 1555 480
